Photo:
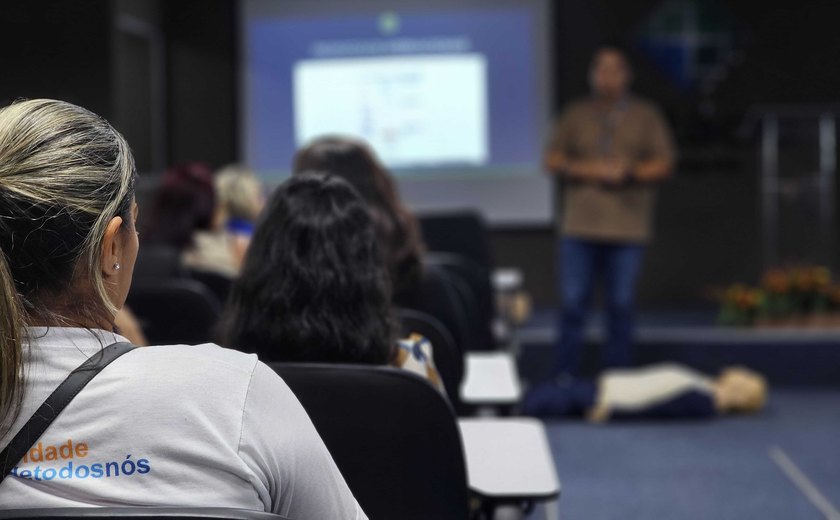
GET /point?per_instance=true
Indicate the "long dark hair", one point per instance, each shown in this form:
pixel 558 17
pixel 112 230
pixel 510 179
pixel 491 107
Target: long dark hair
pixel 313 286
pixel 397 228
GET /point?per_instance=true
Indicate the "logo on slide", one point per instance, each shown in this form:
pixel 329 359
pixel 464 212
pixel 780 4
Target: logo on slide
pixel 389 23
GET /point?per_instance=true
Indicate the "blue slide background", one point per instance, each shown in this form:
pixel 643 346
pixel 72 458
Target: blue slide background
pixel 504 36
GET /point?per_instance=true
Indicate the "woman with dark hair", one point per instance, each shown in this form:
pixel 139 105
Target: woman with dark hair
pixel 397 228
pixel 314 286
pixel 185 202
pixel 416 286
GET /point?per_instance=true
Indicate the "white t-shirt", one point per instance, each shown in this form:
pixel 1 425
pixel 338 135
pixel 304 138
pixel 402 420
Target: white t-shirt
pixel 171 426
pixel 630 390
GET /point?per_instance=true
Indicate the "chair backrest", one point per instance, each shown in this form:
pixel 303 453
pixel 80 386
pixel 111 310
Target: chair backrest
pixel 449 360
pixel 392 434
pixel 475 290
pixel 463 232
pixel 218 284
pixel 138 513
pixel 174 311
pixel 436 295
pixel 477 276
pixel 156 262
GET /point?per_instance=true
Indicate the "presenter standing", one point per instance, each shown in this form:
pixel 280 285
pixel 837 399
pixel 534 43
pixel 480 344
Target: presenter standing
pixel 607 153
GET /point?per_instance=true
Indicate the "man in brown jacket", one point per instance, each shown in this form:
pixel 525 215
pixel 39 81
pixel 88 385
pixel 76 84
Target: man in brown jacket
pixel 607 153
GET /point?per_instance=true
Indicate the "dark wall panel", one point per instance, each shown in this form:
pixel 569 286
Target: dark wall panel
pixel 201 69
pixel 56 49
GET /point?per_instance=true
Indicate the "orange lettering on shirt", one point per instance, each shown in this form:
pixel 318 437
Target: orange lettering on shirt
pixel 66 450
pixel 81 450
pixel 36 454
pixel 52 453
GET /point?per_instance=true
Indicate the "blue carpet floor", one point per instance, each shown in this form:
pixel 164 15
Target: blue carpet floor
pixel 718 469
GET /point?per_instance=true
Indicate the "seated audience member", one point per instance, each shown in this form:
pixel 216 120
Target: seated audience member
pixel 240 201
pixel 666 390
pixel 314 287
pixel 186 216
pixel 415 287
pixel 185 202
pixel 397 229
pixel 235 436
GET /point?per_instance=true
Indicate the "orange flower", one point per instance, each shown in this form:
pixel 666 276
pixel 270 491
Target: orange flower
pixel 747 298
pixel 803 279
pixel 821 276
pixel 776 281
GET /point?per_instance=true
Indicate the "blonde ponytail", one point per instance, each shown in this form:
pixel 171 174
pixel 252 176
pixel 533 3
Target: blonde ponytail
pixel 10 346
pixel 65 173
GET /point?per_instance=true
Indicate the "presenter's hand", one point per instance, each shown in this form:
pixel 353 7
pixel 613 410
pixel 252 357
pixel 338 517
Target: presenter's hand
pixel 554 162
pixel 613 172
pixel 588 170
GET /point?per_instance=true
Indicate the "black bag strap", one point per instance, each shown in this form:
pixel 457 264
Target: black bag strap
pixel 55 403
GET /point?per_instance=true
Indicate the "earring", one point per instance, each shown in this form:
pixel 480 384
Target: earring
pixel 117 266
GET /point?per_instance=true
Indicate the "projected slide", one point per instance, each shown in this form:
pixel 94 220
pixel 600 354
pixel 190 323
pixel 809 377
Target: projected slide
pixel 451 94
pixel 416 111
pixel 435 91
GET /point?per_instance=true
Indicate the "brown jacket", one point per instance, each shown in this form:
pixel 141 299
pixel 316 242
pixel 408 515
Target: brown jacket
pixel 635 131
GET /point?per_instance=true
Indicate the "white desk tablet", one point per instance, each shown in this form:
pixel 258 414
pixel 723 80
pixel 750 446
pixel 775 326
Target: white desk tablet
pixel 509 459
pixel 490 378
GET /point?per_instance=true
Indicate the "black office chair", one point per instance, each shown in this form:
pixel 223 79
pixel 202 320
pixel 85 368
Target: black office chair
pixel 138 513
pixel 174 311
pixel 157 262
pixel 475 299
pixel 392 434
pixel 475 275
pixel 436 295
pixel 462 232
pixel 218 284
pixel 449 360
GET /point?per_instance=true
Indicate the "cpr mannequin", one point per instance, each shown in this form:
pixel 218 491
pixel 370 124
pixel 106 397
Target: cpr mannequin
pixel 667 390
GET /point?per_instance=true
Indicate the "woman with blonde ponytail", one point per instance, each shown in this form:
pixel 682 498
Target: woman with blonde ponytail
pixel 10 344
pixel 235 436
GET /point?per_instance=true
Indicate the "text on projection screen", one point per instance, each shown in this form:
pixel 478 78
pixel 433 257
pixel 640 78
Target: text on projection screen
pixel 415 111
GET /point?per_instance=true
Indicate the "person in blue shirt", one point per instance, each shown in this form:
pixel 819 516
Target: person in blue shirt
pixel 240 202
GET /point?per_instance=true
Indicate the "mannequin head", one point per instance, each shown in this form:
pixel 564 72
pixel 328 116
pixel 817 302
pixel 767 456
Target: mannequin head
pixel 740 390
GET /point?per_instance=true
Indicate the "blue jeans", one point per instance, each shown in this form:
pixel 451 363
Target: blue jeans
pixel 581 263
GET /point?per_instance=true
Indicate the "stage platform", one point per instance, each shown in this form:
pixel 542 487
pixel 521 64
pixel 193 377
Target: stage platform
pixel 788 357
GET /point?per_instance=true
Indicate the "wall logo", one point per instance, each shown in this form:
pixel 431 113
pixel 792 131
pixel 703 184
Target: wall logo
pixel 692 41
